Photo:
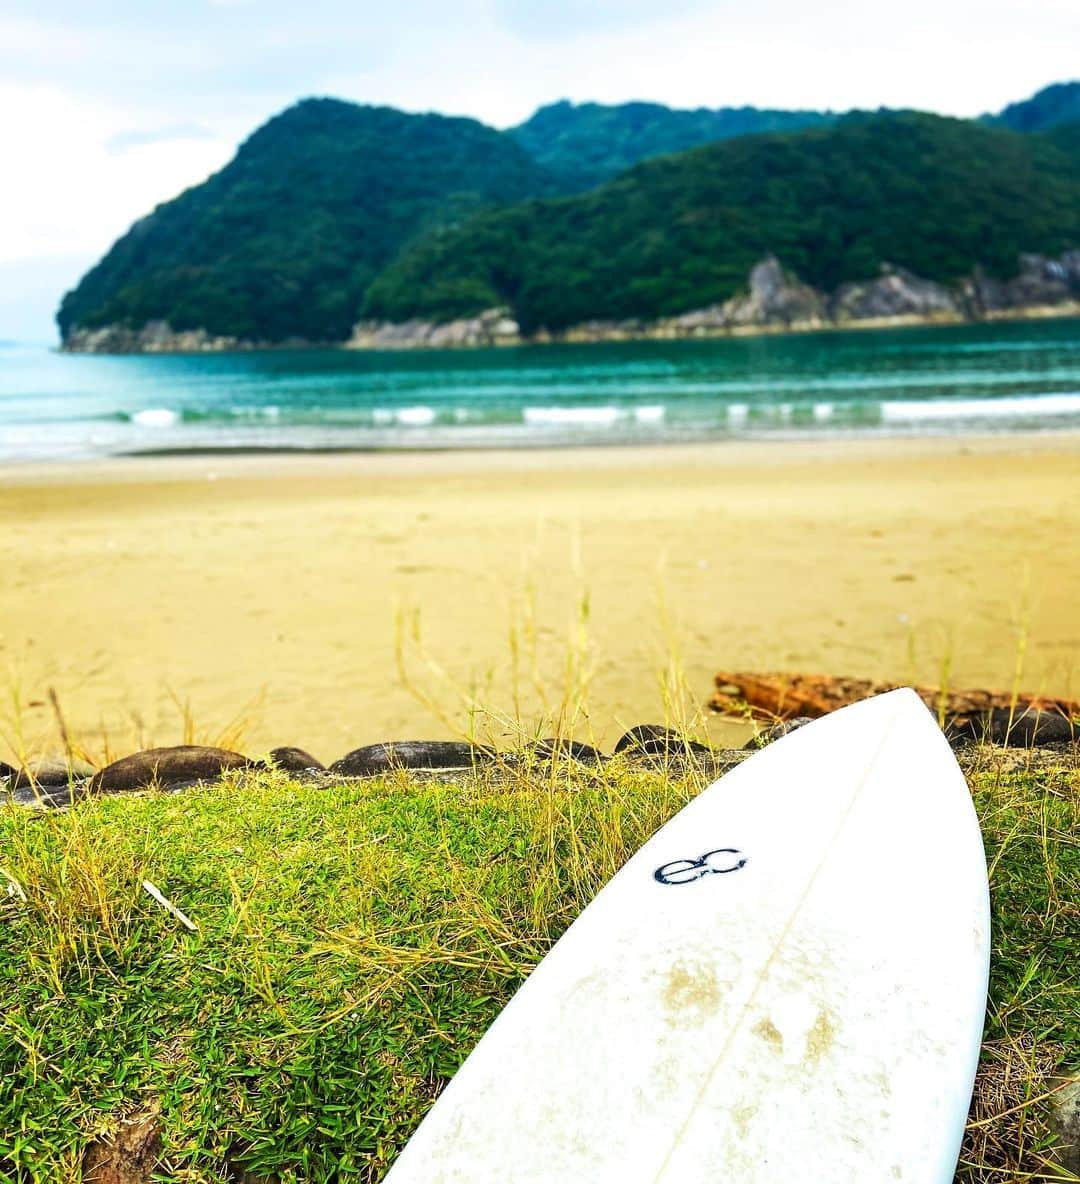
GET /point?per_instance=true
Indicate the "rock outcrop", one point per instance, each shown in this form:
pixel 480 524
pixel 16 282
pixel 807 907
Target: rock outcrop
pixel 494 326
pixel 775 301
pixel 778 301
pixel 776 297
pixel 155 337
pixel 1046 287
pixel 158 337
pixel 896 296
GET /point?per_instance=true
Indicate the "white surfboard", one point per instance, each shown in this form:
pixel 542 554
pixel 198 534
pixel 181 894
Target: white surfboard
pixel 786 984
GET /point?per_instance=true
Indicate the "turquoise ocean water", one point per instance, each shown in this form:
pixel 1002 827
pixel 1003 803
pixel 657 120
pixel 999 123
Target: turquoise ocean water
pixel 954 380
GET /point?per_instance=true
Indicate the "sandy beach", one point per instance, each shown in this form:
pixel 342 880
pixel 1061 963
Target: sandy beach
pixel 286 593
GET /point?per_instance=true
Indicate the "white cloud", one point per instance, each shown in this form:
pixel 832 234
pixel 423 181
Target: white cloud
pixel 93 58
pixel 139 137
pixel 962 57
pixel 67 193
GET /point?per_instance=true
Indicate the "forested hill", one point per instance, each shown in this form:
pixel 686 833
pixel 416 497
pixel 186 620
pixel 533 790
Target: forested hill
pixel 934 195
pixel 332 211
pixel 586 143
pixel 284 241
pixel 1053 106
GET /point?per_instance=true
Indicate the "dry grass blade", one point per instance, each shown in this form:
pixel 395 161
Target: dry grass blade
pixel 1008 1135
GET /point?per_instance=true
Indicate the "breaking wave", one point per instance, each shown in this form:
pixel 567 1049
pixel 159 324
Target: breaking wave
pixel 999 378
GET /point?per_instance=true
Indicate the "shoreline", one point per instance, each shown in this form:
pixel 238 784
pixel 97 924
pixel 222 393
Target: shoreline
pixel 461 335
pixel 266 460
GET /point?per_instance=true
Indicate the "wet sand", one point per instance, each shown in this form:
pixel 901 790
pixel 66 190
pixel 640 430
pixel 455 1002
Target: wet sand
pixel 164 598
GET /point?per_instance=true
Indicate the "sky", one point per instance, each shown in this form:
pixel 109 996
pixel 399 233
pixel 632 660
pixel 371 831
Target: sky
pixel 108 107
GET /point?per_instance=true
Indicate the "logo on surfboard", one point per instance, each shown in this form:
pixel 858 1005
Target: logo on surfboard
pixel 713 863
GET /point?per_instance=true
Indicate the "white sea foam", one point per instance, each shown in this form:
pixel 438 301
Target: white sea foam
pixel 822 412
pixel 1005 407
pixel 590 417
pixel 382 415
pixel 414 417
pixel 155 417
pixel 650 414
pixel 738 412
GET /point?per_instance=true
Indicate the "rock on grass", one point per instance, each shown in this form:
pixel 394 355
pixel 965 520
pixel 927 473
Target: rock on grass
pixel 658 740
pixel 1020 729
pixel 778 731
pixel 50 774
pixel 1065 1122
pixel 409 754
pixel 129 1157
pixel 559 748
pixel 166 766
pixel 292 760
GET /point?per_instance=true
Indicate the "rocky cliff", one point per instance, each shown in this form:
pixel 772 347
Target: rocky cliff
pixel 896 296
pixel 1042 287
pixel 775 301
pixel 155 337
pixel 494 327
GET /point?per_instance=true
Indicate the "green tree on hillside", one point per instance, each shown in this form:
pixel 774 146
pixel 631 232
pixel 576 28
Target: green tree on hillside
pixel 934 195
pixel 284 241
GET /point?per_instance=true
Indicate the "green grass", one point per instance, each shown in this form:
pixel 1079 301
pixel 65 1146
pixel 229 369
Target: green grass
pixel 354 942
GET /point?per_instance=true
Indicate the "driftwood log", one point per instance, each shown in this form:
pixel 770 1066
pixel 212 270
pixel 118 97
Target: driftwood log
pixel 778 696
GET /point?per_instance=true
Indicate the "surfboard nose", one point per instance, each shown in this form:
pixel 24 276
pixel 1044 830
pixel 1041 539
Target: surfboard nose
pixel 899 710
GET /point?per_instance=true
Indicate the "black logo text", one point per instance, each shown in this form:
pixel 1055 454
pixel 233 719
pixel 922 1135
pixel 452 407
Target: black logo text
pixel 712 863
